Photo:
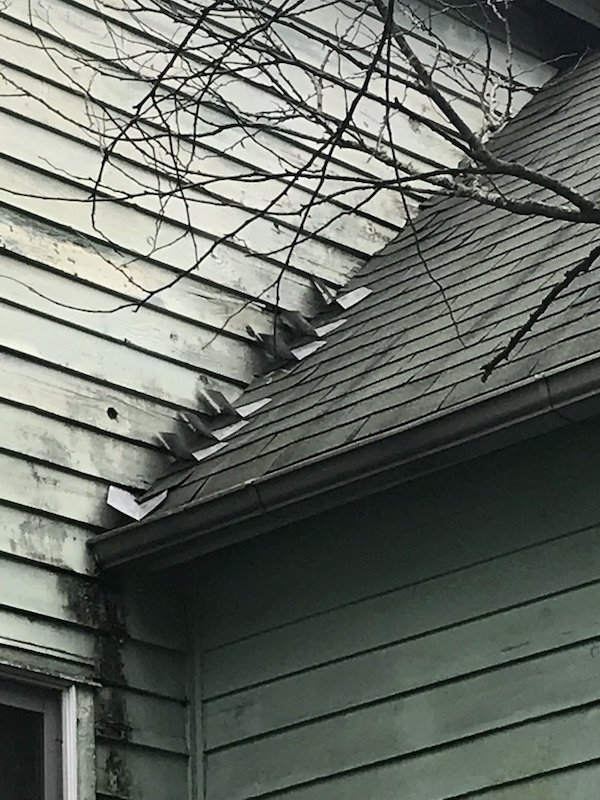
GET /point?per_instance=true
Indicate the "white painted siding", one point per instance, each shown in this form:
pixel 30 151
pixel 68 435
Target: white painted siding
pixel 76 352
pixel 438 641
pixel 86 387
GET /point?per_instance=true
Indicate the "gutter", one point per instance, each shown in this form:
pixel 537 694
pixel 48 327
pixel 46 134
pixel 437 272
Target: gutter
pixel 540 404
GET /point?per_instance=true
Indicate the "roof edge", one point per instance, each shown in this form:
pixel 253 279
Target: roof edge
pixel 542 403
pixel 581 9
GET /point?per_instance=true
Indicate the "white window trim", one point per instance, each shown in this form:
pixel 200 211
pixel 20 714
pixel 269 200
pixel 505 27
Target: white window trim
pixel 18 685
pixel 69 743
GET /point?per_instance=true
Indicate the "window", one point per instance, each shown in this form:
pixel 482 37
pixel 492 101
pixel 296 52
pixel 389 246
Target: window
pixel 30 743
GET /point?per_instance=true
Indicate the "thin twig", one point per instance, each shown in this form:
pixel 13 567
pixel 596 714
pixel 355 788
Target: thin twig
pixel 569 277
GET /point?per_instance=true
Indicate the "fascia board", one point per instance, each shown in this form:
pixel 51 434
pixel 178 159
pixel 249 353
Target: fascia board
pixel 538 405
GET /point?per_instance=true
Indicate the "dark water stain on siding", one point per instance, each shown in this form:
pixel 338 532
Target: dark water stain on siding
pixel 95 604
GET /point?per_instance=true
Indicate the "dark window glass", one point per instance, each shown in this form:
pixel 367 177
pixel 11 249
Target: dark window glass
pixel 21 753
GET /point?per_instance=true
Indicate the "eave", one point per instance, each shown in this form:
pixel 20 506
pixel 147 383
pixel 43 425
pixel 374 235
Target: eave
pixel 586 10
pixel 540 404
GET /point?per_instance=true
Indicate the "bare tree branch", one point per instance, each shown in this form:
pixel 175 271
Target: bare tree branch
pixel 256 128
pixel 559 288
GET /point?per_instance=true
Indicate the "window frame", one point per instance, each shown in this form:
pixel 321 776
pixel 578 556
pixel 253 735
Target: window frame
pixel 58 708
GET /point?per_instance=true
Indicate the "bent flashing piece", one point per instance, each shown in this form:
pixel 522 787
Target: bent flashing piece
pixel 217 402
pixel 127 503
pixel 205 452
pixel 250 408
pixel 326 294
pixel 175 446
pixel 352 298
pixel 222 434
pixel 298 324
pixel 197 424
pixel 305 350
pixel 329 327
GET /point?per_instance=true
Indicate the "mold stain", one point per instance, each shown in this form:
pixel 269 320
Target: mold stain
pixel 96 605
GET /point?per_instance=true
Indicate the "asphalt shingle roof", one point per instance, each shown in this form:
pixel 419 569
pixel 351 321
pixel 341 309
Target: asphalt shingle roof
pixel 398 358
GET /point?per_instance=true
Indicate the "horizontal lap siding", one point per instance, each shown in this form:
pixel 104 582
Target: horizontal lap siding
pixel 82 398
pixel 91 380
pixel 54 621
pixel 126 772
pixel 68 370
pixel 480 680
pixel 527 754
pixel 88 381
pixel 142 704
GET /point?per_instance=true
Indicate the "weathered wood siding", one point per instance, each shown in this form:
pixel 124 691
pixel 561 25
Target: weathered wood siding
pixel 142 705
pixel 129 644
pixel 85 388
pixel 440 640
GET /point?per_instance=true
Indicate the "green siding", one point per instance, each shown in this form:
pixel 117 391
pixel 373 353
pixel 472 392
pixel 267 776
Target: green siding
pixel 65 370
pixel 141 708
pixel 436 641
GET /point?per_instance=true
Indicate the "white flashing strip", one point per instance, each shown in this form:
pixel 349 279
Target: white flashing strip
pixel 329 327
pixel 352 298
pixel 222 434
pixel 249 409
pixel 306 349
pixel 200 455
pixel 127 504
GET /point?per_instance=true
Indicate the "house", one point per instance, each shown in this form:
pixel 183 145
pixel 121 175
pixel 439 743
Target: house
pixel 391 573
pixel 356 596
